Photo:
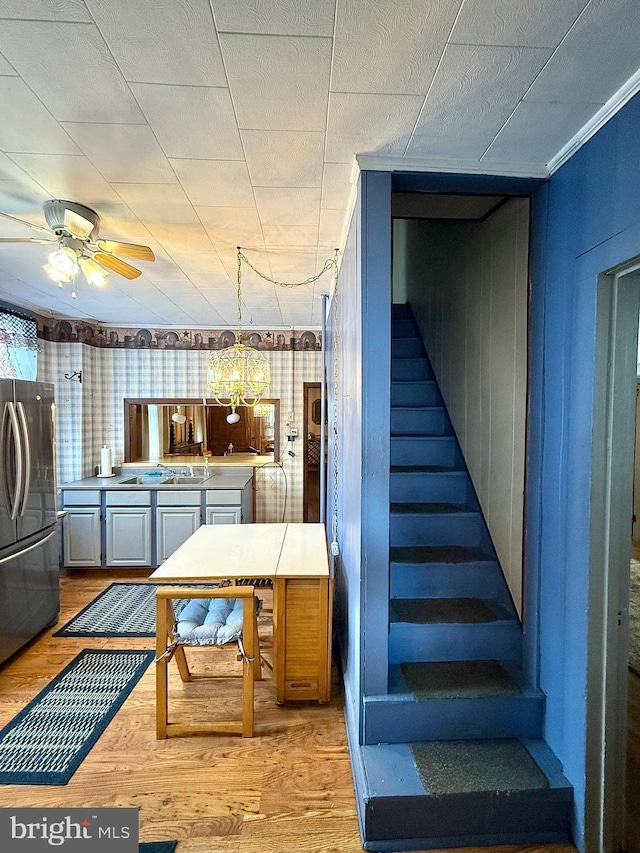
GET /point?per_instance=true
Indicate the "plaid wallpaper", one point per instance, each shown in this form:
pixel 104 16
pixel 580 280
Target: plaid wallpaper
pixel 91 413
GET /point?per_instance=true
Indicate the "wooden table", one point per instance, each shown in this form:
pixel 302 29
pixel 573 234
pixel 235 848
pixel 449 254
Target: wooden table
pixel 294 557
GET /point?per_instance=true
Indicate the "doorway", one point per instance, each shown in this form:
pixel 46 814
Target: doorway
pixel 312 451
pixel 618 300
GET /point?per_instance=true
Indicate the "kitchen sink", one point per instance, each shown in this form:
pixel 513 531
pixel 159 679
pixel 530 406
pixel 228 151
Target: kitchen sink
pixel 164 481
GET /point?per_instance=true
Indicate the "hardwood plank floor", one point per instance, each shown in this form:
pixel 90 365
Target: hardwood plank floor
pixel 287 790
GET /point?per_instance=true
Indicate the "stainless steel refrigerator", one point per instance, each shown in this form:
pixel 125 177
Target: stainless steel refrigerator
pixel 29 548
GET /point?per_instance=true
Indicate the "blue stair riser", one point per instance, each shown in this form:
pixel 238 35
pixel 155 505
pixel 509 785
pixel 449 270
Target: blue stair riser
pixel 466 529
pixel 403 719
pixel 434 486
pixel 415 393
pixel 447 580
pixel 406 348
pixel 418 421
pixel 486 819
pixel 425 450
pixel 400 309
pixel 403 327
pixel 411 642
pixel 410 368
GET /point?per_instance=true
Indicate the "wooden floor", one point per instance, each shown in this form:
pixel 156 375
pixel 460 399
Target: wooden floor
pixel 287 790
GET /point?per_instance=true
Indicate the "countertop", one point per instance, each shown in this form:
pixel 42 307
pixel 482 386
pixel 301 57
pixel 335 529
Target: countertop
pixel 227 479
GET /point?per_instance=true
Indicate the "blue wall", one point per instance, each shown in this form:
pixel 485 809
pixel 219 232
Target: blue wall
pixel 585 220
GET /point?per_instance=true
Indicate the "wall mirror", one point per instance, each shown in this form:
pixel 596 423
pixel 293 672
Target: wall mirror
pixel 165 428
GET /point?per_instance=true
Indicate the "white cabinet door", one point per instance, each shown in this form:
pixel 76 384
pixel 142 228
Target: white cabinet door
pixel 174 525
pixel 129 536
pixel 223 515
pixel 81 536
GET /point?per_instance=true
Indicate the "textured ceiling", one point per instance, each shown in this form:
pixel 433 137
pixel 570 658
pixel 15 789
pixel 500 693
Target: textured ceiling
pixel 194 126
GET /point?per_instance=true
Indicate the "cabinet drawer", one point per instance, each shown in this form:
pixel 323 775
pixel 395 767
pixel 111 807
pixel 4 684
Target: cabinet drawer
pixel 224 497
pixel 80 497
pixel 137 498
pixel 192 497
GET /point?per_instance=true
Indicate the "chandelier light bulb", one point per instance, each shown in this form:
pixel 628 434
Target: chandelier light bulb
pixel 94 274
pixel 233 418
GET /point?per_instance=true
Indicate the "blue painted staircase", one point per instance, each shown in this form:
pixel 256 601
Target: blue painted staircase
pixel 457 697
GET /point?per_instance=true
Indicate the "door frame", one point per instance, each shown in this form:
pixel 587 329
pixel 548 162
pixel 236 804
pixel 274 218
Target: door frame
pixel 618 311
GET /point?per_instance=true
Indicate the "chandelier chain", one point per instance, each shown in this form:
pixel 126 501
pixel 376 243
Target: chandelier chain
pixel 239 297
pixel 328 264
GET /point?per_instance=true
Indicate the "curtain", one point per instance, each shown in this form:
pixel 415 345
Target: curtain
pixel 18 344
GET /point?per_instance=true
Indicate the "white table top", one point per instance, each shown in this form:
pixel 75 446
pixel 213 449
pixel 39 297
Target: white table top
pixel 249 551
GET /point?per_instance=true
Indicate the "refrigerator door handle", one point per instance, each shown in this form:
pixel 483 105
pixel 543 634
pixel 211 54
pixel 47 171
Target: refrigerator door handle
pixel 26 455
pixel 11 427
pixel 30 548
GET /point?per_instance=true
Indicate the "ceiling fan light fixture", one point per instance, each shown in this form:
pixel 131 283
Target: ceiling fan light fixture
pixel 93 272
pixel 55 274
pixel 64 261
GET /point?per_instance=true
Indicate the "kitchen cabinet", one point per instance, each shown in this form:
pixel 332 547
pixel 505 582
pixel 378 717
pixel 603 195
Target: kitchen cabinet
pixel 119 524
pixel 223 515
pixel 81 529
pixel 178 515
pixel 128 528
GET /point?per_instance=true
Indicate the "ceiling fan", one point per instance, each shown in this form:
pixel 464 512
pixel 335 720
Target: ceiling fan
pixel 75 228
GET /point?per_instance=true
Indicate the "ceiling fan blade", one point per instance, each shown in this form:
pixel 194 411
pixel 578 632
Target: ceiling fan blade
pixel 129 250
pixel 28 224
pixel 115 264
pixel 25 240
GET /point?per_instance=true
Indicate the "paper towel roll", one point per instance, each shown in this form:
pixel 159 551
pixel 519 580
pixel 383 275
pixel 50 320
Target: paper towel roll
pixel 105 462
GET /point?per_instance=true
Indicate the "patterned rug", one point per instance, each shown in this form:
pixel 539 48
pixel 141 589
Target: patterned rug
pixel 46 742
pixel 634 617
pixel 157 846
pixel 121 610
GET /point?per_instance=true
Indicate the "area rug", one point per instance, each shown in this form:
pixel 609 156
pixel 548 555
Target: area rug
pixel 121 610
pixel 46 742
pixel 634 617
pixel 157 846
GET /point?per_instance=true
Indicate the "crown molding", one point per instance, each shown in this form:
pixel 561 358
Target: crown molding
pixel 458 167
pixel 606 112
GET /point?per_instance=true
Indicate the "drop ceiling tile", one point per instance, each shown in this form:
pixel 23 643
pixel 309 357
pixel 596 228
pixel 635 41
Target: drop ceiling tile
pixel 157 203
pixel 302 17
pixel 68 176
pixel 284 158
pixel 336 186
pixel 288 205
pixel 181 237
pixel 371 36
pixel 530 23
pixel 199 262
pixel 27 126
pixel 331 223
pixel 212 183
pixel 278 82
pixel 290 235
pixel 164 42
pixel 368 124
pixel 599 54
pixel 293 267
pixel 474 92
pixel 232 226
pixel 123 153
pixel 99 94
pixel 536 132
pixel 191 121
pixel 6 67
pixel 210 280
pixel 45 10
pixel 22 198
pixel 9 170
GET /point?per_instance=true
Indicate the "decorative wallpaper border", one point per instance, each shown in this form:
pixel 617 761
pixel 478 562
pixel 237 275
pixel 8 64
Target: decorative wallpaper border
pixel 96 335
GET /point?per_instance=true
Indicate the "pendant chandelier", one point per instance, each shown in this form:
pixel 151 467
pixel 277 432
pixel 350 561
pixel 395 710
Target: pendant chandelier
pixel 238 375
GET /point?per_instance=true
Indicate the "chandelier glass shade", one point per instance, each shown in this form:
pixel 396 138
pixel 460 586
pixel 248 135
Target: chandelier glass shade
pixel 238 375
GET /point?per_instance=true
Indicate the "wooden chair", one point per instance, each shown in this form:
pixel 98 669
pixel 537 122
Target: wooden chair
pixel 168 646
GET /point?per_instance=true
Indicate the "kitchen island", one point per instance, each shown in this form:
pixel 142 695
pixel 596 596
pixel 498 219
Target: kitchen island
pixel 141 515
